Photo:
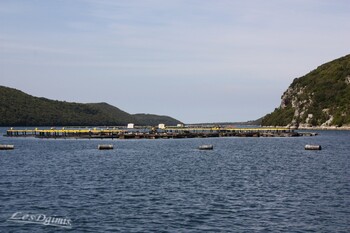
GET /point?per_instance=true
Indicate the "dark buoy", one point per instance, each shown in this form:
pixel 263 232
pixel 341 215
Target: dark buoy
pixel 105 147
pixel 313 147
pixel 7 147
pixel 206 147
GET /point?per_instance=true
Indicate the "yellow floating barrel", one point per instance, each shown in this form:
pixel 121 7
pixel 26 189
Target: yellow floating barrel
pixel 7 147
pixel 105 147
pixel 313 147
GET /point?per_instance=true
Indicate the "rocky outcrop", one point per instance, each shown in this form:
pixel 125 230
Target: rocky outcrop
pixel 320 98
pixel 347 80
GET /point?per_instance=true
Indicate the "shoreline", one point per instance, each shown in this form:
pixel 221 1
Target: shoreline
pixel 324 128
pixel 342 128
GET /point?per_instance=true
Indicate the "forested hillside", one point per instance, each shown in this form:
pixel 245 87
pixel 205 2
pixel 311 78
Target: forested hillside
pixel 320 98
pixel 20 109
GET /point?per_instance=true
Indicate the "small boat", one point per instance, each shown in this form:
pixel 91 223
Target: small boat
pixel 206 147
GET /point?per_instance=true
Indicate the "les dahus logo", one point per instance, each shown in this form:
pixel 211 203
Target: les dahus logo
pixel 21 217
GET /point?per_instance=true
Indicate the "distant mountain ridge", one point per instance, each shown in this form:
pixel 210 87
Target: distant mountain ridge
pixel 320 98
pixel 20 109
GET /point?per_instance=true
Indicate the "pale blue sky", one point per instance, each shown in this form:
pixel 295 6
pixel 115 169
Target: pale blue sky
pixel 195 60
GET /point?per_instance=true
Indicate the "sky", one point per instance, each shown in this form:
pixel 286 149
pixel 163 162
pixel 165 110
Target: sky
pixel 195 60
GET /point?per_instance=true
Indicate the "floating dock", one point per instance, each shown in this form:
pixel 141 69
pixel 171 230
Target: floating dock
pixel 153 133
pixel 64 133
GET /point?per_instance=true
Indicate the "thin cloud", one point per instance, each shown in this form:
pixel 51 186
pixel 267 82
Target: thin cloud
pixel 13 47
pixel 227 46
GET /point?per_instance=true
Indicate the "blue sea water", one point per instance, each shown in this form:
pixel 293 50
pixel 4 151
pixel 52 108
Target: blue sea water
pixel 243 185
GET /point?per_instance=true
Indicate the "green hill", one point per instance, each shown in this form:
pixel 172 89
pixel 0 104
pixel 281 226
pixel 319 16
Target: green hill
pixel 320 98
pixel 151 119
pixel 20 109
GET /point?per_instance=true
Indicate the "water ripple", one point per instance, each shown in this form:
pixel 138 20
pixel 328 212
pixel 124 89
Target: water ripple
pixel 243 185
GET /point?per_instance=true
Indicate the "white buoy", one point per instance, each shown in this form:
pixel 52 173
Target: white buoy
pixel 206 147
pixel 105 147
pixel 7 147
pixel 313 147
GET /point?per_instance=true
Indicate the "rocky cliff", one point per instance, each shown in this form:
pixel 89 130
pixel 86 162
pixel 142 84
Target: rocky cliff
pixel 320 98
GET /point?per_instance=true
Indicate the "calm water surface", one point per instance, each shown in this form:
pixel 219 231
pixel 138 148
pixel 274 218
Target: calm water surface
pixel 243 185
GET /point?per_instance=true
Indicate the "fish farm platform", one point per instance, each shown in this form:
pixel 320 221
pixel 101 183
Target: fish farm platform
pixel 153 133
